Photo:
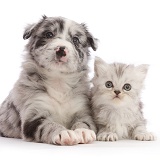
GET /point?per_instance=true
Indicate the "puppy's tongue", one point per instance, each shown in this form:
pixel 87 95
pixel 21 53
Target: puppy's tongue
pixel 63 59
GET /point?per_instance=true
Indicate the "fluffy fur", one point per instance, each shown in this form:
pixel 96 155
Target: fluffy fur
pixel 116 104
pixel 49 102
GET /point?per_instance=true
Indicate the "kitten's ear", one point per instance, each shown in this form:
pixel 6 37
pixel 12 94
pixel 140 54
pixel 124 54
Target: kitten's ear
pixel 142 71
pixel 99 66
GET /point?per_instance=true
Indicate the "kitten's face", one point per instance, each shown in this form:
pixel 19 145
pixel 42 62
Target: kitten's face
pixel 118 84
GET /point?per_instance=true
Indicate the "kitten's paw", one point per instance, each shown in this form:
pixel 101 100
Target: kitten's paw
pixel 66 137
pixel 104 136
pixel 144 137
pixel 85 135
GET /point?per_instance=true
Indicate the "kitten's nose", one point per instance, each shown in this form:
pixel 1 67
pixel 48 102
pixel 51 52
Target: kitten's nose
pixel 117 92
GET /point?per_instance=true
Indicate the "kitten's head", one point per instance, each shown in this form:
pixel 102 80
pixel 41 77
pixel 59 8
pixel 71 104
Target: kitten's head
pixel 117 83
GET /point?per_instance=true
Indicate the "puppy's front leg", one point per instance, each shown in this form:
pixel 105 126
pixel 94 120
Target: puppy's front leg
pixel 39 125
pixel 84 128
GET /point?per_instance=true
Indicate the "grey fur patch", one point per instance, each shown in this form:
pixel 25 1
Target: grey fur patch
pixel 2 135
pixel 30 127
pixel 14 108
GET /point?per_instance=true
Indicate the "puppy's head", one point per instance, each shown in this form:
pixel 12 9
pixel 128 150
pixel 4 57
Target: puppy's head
pixel 57 43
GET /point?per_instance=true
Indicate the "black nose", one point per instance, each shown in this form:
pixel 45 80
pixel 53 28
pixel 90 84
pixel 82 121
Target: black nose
pixel 117 92
pixel 61 52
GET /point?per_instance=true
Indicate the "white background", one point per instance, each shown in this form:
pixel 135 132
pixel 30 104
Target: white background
pixel 128 31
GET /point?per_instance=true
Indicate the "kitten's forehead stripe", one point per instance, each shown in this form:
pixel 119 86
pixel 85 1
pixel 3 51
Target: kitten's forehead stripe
pixel 120 69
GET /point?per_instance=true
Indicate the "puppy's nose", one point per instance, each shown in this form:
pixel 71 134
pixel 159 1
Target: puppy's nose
pixel 61 52
pixel 117 92
pixel 62 48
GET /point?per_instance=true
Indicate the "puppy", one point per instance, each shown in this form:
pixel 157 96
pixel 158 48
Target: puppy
pixel 49 102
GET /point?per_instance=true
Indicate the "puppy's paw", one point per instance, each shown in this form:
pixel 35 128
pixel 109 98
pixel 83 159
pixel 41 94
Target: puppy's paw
pixel 66 137
pixel 105 136
pixel 85 135
pixel 144 137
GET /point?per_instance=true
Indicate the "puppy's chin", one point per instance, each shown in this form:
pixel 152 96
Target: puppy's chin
pixel 62 66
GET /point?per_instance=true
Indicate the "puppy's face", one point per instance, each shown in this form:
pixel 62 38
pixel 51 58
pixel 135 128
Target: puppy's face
pixel 59 44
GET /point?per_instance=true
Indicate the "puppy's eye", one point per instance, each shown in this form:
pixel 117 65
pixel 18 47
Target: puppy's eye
pixel 49 34
pixel 75 40
pixel 109 84
pixel 127 87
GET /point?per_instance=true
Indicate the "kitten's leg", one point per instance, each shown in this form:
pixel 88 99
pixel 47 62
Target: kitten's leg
pixel 105 134
pixel 10 123
pixel 140 133
pixel 84 127
pixel 39 125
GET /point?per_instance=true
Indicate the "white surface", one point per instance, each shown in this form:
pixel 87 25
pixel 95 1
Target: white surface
pixel 128 31
pixel 18 149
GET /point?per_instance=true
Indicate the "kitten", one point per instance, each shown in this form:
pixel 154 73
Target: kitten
pixel 116 101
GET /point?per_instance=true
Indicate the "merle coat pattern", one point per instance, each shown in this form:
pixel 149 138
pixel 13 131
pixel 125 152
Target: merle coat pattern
pixel 49 102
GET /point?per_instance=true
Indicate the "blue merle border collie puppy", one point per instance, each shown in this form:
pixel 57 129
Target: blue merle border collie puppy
pixel 50 103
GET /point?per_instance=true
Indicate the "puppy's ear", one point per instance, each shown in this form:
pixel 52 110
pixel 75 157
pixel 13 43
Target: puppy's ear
pixel 32 27
pixel 28 31
pixel 92 42
pixel 99 67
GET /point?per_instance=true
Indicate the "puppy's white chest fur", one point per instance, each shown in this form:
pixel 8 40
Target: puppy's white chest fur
pixel 58 88
pixel 63 101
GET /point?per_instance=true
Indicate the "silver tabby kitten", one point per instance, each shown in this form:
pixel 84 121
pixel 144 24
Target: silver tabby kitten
pixel 116 101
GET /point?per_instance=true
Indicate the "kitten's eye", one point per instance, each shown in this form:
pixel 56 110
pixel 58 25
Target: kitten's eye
pixel 75 40
pixel 49 34
pixel 127 87
pixel 109 84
